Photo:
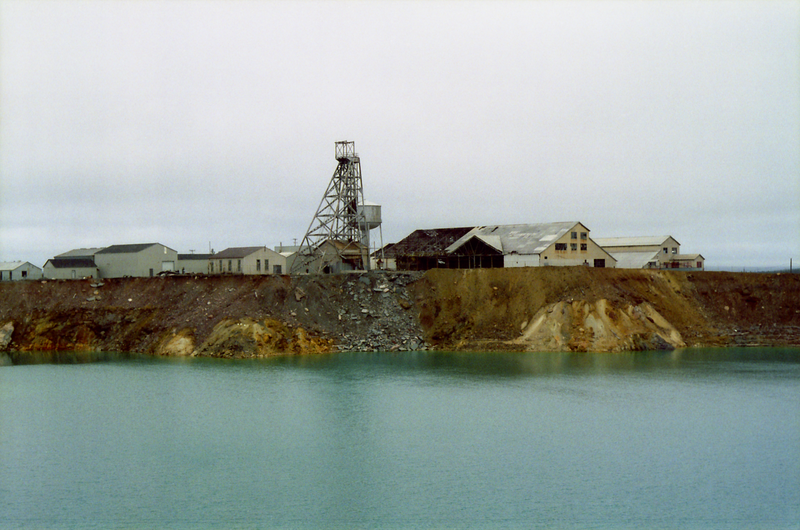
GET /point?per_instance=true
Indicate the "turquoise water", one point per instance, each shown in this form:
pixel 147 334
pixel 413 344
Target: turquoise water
pixel 686 439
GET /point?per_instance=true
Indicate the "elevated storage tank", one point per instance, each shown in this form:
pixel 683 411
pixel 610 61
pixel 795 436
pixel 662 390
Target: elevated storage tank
pixel 372 215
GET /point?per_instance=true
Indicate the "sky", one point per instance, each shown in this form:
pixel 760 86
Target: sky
pixel 211 124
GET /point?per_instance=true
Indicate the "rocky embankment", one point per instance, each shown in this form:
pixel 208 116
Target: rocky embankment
pixel 543 309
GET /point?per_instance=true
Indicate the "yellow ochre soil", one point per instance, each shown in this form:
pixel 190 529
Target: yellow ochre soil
pixel 532 309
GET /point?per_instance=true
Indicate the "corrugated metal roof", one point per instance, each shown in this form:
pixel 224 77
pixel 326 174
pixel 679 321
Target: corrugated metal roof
pixel 519 239
pixel 686 257
pixel 634 260
pixel 127 249
pixel 11 265
pixel 636 241
pixel 196 257
pixel 236 252
pixel 72 263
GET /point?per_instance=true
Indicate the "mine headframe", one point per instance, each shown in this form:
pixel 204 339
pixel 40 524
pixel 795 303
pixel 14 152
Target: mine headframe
pixel 338 235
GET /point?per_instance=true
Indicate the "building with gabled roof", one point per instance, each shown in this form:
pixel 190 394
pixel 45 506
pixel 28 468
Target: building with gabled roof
pixel 422 249
pixel 247 260
pixel 19 270
pixel 494 246
pixel 137 260
pixel 528 245
pixel 650 252
pixel 70 269
pixel 79 253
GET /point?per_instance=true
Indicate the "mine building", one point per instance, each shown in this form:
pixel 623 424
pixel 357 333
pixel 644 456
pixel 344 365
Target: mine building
pixel 650 252
pixel 498 246
pixel 70 269
pixel 338 238
pixel 19 270
pixel 72 265
pixel 247 260
pixel 193 263
pixel 137 260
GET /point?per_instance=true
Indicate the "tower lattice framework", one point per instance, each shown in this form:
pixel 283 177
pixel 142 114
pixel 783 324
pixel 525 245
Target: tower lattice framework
pixel 338 236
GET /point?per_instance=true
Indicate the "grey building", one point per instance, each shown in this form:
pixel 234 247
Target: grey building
pixel 193 263
pixel 70 269
pixel 139 260
pixel 19 270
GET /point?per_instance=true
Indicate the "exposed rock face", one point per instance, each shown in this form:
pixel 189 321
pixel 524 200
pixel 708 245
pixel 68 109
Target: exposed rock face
pixel 250 338
pixel 549 308
pixel 6 330
pixel 599 327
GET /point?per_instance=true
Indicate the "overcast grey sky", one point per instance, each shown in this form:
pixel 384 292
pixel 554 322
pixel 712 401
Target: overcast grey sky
pixel 214 121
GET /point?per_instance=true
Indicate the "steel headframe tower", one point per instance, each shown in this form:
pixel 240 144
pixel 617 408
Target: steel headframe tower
pixel 338 236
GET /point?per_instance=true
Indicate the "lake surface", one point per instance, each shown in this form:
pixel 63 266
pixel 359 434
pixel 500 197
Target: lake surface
pixel 684 439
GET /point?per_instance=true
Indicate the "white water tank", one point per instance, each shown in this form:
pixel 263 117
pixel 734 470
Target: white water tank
pixel 372 215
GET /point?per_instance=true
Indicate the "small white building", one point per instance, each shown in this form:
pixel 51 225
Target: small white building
pixel 650 252
pixel 247 260
pixel 139 260
pixel 70 269
pixel 19 270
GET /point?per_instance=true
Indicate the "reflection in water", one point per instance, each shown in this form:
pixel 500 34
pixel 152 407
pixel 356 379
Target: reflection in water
pixel 691 438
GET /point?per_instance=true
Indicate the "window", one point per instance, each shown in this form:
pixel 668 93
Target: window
pixel 674 250
pixel 561 246
pixel 266 264
pixel 573 246
pixel 221 269
pixel 574 235
pixel 230 265
pixel 24 274
pixel 238 265
pixel 258 265
pixel 583 236
pixel 665 250
pixel 583 247
pixel 276 269
pixel 211 267
pixel 699 264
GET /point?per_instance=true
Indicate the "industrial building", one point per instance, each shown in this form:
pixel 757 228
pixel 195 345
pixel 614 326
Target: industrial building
pixel 193 263
pixel 70 269
pixel 138 260
pixel 19 270
pixel 337 239
pixel 496 246
pixel 650 252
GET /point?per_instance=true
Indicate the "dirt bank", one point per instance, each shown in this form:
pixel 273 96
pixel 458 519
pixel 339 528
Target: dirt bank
pixel 582 309
pixel 562 309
